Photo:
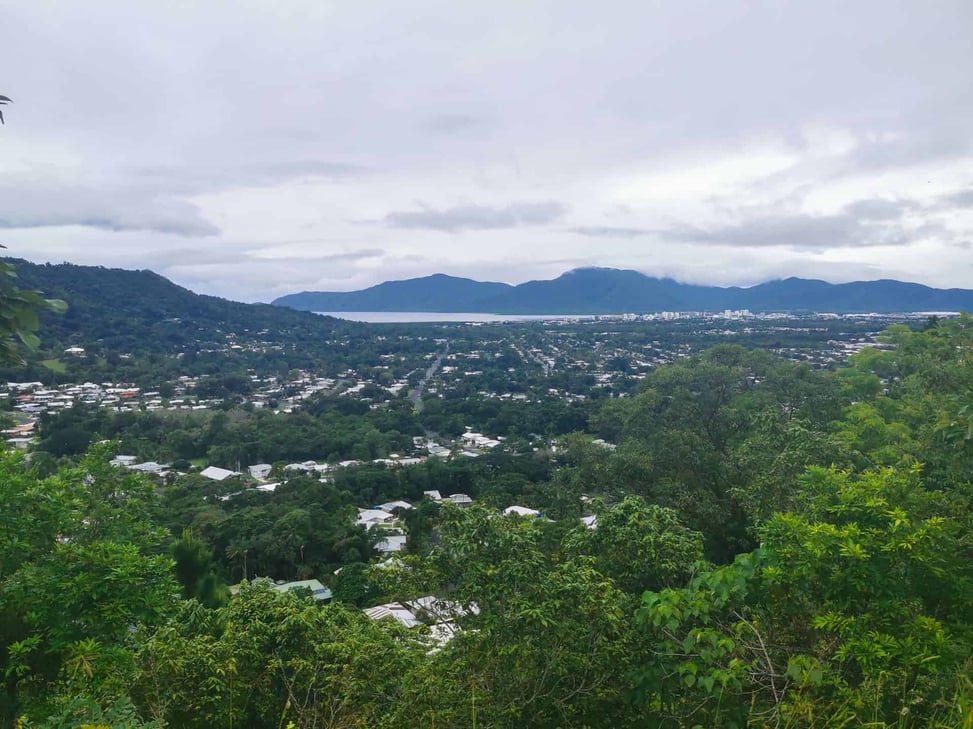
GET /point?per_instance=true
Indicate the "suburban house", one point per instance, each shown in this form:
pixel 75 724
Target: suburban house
pixel 395 611
pixel 215 473
pixel 319 592
pixel 260 471
pixel 439 615
pixel 391 543
pixel 391 506
pixel 520 511
pixel 147 467
pixel 373 517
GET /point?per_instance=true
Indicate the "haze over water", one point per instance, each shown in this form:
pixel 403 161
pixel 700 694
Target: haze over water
pixel 418 317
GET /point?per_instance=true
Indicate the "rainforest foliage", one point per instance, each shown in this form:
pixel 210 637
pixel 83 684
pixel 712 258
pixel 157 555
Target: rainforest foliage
pixel 775 547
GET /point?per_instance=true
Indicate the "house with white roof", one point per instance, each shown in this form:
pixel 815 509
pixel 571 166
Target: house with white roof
pixel 391 543
pixel 391 506
pixel 319 592
pixel 478 440
pixel 147 467
pixel 521 511
pixel 395 611
pixel 215 473
pixel 439 615
pixel 260 471
pixel 373 517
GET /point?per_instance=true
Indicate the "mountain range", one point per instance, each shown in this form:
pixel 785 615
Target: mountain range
pixel 615 291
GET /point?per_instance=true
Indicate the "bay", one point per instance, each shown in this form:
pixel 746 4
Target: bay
pixel 419 317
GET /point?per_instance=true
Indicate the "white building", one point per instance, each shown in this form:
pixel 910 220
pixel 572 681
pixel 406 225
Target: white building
pixel 395 611
pixel 260 471
pixel 319 592
pixel 391 506
pixel 520 511
pixel 215 473
pixel 373 517
pixel 147 467
pixel 391 543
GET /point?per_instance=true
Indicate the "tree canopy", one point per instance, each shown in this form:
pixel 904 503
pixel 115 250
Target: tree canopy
pixel 763 545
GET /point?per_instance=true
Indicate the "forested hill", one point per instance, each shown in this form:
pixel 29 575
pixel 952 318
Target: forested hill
pixel 132 311
pixel 613 291
pixel 438 292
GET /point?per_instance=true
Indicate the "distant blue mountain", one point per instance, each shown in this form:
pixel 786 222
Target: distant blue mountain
pixel 438 292
pixel 614 291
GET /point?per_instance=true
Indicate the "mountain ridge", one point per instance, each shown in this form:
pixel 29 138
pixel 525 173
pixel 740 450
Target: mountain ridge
pixel 134 310
pixel 597 290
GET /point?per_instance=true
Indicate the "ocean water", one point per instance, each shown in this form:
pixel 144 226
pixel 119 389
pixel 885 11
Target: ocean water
pixel 419 317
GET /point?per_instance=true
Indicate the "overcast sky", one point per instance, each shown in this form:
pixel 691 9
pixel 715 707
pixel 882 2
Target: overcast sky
pixel 252 149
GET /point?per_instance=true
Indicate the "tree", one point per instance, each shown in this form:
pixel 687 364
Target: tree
pixel 195 570
pixel 854 613
pixel 19 319
pixel 353 586
pixel 543 641
pixel 269 660
pixel 640 546
pixel 81 578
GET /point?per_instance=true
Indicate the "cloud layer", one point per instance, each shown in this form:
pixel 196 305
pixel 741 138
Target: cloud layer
pixel 477 217
pixel 259 149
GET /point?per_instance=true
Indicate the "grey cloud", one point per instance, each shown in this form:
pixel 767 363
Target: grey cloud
pixel 282 171
pixel 251 279
pixel 861 224
pixel 477 217
pixel 879 210
pixel 269 254
pixel 962 199
pixel 361 255
pixel 113 209
pixel 454 123
pixel 802 232
pixel 919 138
pixel 194 179
pixel 748 270
pixel 130 110
pixel 608 231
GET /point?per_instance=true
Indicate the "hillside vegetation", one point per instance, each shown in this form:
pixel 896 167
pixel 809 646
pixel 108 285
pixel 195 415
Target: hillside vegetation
pixel 134 311
pixel 772 546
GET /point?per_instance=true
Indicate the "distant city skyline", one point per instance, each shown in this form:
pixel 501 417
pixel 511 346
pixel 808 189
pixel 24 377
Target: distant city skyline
pixel 260 150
